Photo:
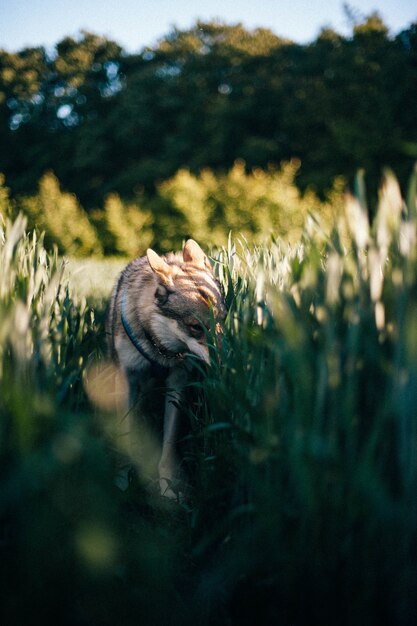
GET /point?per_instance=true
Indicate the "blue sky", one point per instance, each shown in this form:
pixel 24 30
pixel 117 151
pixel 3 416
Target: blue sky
pixel 137 23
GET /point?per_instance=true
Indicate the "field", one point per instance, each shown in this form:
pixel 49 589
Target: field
pixel 302 444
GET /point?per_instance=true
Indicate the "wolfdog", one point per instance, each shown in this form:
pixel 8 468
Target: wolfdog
pixel 161 310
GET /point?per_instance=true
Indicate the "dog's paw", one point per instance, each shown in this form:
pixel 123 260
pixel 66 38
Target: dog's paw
pixel 171 489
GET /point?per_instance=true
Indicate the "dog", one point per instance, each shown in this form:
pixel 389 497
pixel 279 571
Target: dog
pixel 163 309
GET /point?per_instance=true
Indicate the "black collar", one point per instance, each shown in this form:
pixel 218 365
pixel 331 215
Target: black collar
pixel 156 368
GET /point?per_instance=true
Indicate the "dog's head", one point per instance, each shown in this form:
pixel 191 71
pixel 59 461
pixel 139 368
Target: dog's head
pixel 188 300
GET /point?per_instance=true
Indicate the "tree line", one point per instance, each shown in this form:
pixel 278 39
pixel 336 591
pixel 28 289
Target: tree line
pixel 206 206
pixel 106 121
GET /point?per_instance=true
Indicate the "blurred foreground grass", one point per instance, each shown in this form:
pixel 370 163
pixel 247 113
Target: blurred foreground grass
pixel 303 443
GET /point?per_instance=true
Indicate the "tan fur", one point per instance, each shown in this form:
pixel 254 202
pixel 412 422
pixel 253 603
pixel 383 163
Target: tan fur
pixel 169 303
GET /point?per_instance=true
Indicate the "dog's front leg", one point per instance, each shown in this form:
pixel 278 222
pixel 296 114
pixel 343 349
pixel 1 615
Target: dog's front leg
pixel 132 377
pixel 168 467
pixel 135 427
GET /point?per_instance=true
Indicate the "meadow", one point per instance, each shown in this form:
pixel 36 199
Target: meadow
pixel 302 444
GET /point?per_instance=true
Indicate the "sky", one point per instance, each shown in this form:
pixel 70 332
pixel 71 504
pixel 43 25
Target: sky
pixel 135 24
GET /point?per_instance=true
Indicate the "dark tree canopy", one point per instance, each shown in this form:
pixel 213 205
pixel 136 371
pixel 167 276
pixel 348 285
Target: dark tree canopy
pixel 105 120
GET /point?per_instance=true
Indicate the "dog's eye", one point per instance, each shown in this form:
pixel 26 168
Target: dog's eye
pixel 196 329
pixel 161 295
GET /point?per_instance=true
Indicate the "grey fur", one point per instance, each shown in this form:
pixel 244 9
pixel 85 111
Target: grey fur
pixel 169 303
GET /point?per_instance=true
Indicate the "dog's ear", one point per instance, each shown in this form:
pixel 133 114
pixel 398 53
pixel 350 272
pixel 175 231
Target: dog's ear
pixel 160 267
pixel 192 253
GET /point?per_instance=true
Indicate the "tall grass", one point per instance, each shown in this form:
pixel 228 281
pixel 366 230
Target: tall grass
pixel 311 408
pixel 73 551
pixel 302 444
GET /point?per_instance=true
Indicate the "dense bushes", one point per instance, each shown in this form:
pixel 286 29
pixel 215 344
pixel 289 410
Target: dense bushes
pixel 62 219
pixel 252 205
pixel 204 206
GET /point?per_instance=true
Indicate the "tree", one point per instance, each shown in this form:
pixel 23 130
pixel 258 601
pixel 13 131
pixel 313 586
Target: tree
pixel 127 227
pixel 61 217
pixel 110 122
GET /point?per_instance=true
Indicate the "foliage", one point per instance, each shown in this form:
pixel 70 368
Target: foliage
pixel 68 550
pixel 43 335
pixel 303 434
pixel 205 206
pixel 309 426
pixel 253 204
pixel 61 217
pixel 128 226
pixel 110 122
pixel 5 202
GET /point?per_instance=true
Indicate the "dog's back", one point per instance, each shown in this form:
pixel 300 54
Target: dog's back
pixel 132 282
